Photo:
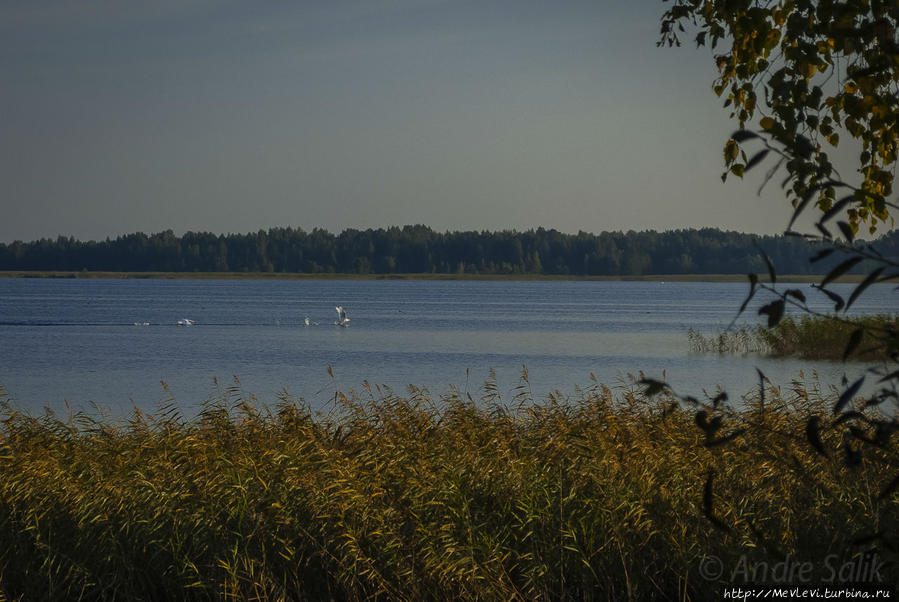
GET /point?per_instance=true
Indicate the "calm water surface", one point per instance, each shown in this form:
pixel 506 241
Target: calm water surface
pixel 75 340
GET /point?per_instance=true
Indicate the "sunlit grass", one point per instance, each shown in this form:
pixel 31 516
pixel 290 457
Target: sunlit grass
pixel 815 337
pixel 810 337
pixel 408 497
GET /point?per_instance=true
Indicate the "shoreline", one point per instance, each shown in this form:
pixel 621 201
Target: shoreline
pixel 63 274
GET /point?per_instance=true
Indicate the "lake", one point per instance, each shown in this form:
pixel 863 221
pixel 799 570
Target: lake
pixel 76 340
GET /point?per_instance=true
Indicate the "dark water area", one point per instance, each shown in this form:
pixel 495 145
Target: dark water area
pixel 85 341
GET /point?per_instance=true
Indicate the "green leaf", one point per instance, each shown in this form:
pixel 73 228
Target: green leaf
pixel 756 159
pixel 741 135
pixel 774 311
pixel 847 416
pixel 812 433
pixel 708 426
pixel 803 147
pixel 753 282
pixel 836 208
pixel 708 495
pixel 708 501
pixel 853 456
pixel 847 395
pixel 720 397
pixel 838 300
pixel 840 270
pixel 652 386
pixel 846 229
pixel 771 273
pixel 891 376
pixel 725 438
pixel 800 207
pixel 854 340
pixel 796 294
pixel 824 231
pixel 868 281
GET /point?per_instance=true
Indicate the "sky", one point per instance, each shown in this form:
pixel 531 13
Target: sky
pixel 230 116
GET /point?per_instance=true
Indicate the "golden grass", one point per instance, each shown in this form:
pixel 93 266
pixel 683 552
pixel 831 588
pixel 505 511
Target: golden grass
pixel 415 498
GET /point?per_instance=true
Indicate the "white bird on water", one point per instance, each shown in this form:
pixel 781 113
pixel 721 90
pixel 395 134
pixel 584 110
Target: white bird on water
pixel 186 322
pixel 342 320
pixel 309 322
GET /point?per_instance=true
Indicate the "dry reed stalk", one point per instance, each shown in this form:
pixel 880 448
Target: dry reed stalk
pixel 408 497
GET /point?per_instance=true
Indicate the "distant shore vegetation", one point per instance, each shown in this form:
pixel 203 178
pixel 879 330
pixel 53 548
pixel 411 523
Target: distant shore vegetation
pixel 421 250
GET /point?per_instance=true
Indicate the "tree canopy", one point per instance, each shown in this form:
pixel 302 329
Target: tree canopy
pixel 798 74
pixel 806 72
pixel 419 249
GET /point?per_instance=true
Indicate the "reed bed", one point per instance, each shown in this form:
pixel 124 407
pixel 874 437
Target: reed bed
pixel 741 340
pixel 809 337
pixel 824 338
pixel 605 495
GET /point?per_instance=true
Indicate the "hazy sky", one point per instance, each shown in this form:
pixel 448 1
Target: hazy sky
pixel 231 116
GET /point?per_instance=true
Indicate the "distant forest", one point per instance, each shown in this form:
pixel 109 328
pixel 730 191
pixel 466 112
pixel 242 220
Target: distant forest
pixel 419 249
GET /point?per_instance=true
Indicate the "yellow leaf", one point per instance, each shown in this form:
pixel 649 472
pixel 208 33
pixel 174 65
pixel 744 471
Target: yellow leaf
pixel 767 123
pixel 730 151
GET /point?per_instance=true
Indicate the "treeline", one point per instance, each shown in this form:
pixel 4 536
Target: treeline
pixel 419 249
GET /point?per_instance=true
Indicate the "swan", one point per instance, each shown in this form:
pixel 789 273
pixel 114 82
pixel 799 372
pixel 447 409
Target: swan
pixel 342 320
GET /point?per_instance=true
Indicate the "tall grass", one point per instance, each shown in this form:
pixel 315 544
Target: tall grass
pixel 408 497
pixel 810 337
pixel 742 340
pixel 817 337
